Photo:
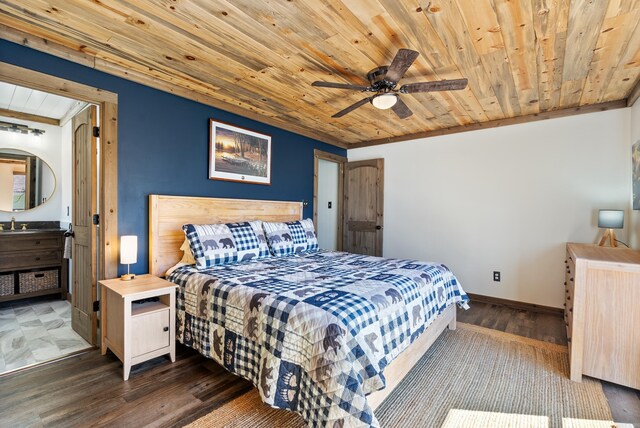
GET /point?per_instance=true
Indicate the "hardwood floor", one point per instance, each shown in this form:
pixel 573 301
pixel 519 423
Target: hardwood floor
pixel 87 390
pixel 536 325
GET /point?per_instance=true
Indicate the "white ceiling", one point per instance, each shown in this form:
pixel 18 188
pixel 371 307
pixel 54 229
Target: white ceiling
pixel 25 100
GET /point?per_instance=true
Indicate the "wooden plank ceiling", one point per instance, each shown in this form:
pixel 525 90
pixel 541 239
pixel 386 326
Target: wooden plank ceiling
pixel 529 58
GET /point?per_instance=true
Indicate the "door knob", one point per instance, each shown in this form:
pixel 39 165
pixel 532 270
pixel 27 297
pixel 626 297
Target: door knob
pixel 378 227
pixel 165 329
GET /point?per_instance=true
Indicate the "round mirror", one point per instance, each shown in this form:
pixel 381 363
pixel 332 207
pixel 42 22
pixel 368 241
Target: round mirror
pixel 26 181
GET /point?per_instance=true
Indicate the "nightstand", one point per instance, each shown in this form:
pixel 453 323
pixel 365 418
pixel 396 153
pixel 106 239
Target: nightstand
pixel 136 332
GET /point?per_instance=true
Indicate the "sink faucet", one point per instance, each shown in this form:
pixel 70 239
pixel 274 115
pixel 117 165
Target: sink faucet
pixel 13 223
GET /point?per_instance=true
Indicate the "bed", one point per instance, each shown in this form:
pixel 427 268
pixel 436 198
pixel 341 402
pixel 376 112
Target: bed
pixel 325 334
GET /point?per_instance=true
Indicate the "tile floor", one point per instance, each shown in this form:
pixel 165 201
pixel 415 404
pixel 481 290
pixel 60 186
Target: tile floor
pixel 36 330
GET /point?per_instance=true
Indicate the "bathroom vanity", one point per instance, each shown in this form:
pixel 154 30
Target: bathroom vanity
pixel 32 263
pixel 31 255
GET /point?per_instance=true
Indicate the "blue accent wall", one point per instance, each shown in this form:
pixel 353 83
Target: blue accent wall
pixel 163 146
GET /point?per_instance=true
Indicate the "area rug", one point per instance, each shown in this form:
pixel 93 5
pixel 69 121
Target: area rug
pixel 471 377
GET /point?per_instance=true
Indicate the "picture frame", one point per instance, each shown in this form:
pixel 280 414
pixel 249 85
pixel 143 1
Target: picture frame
pixel 238 154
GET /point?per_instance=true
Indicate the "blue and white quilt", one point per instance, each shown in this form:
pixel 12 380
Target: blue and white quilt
pixel 314 331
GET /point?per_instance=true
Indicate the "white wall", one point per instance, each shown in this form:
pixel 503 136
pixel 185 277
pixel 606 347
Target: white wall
pixel 328 192
pixel 65 176
pixel 47 147
pixel 505 199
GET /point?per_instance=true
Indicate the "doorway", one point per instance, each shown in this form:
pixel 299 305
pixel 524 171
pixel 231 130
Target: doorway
pixel 40 290
pixel 102 160
pixel 328 197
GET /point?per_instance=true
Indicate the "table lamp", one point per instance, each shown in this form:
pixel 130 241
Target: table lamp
pixel 610 219
pixel 128 254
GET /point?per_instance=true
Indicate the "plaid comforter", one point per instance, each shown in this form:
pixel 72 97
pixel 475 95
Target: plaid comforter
pixel 313 332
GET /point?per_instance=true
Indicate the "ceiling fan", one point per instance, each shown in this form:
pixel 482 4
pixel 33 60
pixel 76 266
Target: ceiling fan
pixel 383 81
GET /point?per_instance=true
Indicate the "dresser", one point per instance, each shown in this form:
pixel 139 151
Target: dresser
pixel 32 264
pixel 602 294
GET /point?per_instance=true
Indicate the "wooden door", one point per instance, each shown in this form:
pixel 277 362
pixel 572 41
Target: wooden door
pixel 363 207
pixel 85 165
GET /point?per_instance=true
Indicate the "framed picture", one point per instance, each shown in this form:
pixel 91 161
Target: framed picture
pixel 238 154
pixel 635 159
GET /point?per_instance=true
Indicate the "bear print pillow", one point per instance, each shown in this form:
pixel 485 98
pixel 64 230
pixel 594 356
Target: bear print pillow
pixel 291 237
pixel 219 244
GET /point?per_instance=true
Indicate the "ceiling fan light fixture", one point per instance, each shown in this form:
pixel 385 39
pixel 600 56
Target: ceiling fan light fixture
pixel 384 101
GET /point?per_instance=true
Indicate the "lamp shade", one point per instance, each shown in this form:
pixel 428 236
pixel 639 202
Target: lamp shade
pixel 128 249
pixel 611 219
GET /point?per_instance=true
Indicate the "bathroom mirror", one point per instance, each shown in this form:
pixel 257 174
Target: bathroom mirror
pixel 26 181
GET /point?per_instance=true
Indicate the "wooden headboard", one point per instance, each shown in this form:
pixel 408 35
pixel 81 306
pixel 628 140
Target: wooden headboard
pixel 167 214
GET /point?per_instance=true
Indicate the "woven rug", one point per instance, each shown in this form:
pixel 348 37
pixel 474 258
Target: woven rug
pixel 471 377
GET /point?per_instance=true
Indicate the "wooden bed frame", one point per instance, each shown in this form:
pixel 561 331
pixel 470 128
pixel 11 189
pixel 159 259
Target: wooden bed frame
pixel 167 214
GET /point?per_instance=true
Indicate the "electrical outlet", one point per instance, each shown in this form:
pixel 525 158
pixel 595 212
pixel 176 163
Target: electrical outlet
pixel 329 205
pixel 496 276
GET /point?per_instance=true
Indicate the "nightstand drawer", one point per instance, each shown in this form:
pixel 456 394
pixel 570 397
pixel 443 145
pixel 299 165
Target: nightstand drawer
pixel 150 331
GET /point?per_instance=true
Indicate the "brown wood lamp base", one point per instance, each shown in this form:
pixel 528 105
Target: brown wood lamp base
pixel 611 236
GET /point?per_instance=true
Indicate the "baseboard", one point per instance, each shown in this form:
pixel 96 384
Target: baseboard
pixel 515 304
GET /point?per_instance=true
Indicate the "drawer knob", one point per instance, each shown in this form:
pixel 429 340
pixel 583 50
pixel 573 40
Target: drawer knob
pixel 37 242
pixel 165 329
pixel 571 279
pixel 37 258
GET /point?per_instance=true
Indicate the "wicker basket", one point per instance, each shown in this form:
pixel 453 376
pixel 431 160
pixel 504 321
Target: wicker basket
pixel 38 281
pixel 6 284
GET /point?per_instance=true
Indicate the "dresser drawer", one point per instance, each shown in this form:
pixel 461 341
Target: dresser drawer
pixel 569 287
pixel 27 243
pixel 29 259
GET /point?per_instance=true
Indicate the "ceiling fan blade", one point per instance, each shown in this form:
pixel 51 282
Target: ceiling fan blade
pixel 401 109
pixel 400 64
pixel 443 85
pixel 352 107
pixel 340 86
